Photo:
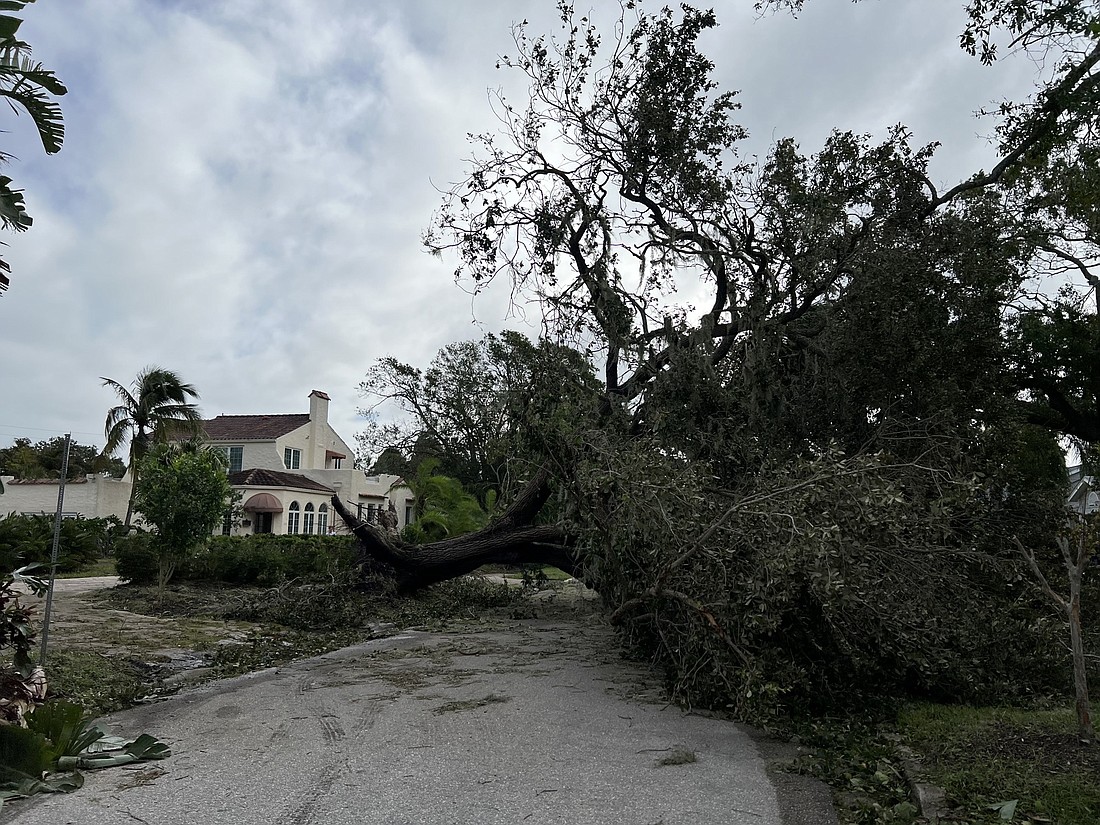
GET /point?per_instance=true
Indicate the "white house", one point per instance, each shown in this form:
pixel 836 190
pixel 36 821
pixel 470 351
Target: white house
pixel 287 467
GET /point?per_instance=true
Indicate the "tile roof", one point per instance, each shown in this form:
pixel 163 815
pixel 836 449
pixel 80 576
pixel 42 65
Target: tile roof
pixel 252 427
pixel 273 478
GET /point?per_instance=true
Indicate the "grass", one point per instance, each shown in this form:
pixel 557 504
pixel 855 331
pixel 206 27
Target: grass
pixel 101 567
pixel 101 684
pixel 986 756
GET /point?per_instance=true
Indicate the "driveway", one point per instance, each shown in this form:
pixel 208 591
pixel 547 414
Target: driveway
pixel 539 723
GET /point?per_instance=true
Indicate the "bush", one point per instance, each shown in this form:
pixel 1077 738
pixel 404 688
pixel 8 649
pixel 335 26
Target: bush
pixel 270 559
pixel 28 539
pixel 136 558
pixel 23 753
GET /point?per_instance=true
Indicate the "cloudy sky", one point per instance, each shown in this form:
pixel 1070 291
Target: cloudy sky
pixel 244 183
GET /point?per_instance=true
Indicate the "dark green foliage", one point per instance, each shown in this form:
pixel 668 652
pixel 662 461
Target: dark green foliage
pixel 1056 349
pixel 271 559
pixel 469 409
pixel 43 460
pixel 261 559
pixel 818 584
pixel 23 753
pixel 443 508
pixel 389 462
pixel 27 87
pixel 29 539
pixel 16 631
pixel 136 558
pixel 66 726
pixel 183 493
pixel 155 411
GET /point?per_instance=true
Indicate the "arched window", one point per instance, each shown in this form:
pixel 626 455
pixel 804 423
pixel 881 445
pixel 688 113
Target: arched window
pixel 292 518
pixel 307 519
pixel 322 520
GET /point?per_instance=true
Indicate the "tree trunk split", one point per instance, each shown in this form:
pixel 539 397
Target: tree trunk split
pixel 510 539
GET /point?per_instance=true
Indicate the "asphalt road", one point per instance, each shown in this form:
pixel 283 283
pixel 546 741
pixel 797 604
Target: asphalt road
pixel 539 723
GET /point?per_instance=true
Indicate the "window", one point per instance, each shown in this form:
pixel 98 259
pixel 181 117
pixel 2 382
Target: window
pixel 322 520
pixel 292 519
pixel 227 522
pixel 408 514
pixel 292 459
pixel 336 463
pixel 307 520
pixel 372 513
pixel 234 458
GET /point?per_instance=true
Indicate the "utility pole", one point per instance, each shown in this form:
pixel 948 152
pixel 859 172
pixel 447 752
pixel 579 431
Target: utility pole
pixel 53 550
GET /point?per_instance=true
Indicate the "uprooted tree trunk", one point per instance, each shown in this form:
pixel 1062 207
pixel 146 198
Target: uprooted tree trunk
pixel 511 539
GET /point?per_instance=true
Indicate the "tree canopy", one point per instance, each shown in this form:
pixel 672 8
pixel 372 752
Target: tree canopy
pixel 184 493
pixel 25 460
pixel 815 425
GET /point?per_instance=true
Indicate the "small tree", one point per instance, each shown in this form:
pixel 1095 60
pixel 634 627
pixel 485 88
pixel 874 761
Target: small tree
pixel 1077 546
pixel 184 494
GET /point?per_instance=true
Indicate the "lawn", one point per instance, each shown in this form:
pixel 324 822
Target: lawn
pixel 992 757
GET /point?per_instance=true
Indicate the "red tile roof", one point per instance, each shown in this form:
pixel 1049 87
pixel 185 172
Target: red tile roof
pixel 252 427
pixel 273 478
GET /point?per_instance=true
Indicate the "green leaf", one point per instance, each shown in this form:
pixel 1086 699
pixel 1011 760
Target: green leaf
pixel 8 26
pixel 148 747
pixel 1005 810
pixel 65 725
pixel 13 215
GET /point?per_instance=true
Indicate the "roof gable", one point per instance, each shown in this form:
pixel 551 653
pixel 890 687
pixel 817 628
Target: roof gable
pixel 252 427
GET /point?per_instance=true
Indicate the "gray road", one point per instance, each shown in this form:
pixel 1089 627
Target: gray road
pixel 542 723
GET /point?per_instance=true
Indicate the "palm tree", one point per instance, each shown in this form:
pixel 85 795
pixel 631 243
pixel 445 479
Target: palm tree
pixel 27 86
pixel 155 410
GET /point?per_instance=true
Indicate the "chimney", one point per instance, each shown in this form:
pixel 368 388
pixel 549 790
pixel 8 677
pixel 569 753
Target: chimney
pixel 318 419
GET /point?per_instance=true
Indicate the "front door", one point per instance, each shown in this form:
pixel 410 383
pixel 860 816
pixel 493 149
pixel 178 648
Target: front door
pixel 262 522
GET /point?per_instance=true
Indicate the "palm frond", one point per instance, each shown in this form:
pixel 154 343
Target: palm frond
pixel 13 213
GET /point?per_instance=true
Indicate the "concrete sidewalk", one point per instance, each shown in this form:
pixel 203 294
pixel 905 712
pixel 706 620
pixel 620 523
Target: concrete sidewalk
pixel 542 723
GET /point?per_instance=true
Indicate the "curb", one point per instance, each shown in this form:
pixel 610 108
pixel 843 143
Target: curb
pixel 930 799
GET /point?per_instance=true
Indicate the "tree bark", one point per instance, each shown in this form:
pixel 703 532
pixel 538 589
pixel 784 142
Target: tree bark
pixel 511 539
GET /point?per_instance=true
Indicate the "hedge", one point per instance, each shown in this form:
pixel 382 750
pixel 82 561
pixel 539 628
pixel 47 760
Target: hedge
pixel 259 559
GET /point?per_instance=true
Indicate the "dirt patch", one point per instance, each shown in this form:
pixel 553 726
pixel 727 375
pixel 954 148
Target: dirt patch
pixel 82 617
pixel 1057 752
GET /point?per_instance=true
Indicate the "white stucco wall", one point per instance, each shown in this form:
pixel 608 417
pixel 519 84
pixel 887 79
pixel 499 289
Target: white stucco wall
pixel 92 497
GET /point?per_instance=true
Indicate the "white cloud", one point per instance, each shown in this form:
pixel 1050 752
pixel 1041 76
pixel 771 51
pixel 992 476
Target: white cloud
pixel 244 184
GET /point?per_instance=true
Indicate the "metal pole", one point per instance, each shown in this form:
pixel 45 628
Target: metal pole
pixel 53 551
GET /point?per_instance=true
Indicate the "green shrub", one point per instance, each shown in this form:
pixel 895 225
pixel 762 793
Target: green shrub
pixel 269 559
pixel 28 539
pixel 136 558
pixel 23 753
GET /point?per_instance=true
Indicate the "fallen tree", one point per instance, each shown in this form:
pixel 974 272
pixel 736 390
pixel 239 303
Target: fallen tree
pixel 511 539
pixel 801 492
